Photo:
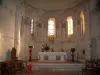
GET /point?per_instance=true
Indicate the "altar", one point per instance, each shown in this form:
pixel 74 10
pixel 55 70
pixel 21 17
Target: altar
pixel 61 56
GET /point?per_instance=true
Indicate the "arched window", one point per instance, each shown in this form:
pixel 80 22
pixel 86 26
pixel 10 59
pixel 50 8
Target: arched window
pixel 82 17
pixel 51 27
pixel 70 25
pixel 32 26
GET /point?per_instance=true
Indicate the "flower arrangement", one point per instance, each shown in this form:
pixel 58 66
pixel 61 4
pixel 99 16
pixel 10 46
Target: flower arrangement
pixel 45 48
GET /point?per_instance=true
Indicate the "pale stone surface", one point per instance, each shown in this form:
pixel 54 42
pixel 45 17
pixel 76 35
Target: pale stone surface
pixel 14 32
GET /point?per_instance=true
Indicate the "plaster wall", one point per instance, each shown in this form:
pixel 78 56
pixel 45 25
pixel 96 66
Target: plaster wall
pixel 15 32
pixel 77 41
pixel 7 26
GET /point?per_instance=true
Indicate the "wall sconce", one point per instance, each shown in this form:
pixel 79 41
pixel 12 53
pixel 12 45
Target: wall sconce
pixel 0 36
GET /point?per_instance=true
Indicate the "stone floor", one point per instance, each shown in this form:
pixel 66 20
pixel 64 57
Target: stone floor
pixel 50 73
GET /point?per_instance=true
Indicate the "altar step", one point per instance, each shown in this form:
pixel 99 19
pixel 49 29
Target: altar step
pixel 57 66
pixel 58 73
pixel 52 73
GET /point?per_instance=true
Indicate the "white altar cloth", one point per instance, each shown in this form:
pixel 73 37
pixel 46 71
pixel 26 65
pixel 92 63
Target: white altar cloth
pixel 52 55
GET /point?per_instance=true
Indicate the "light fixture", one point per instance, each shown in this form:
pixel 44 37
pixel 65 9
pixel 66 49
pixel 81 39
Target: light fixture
pixel 0 36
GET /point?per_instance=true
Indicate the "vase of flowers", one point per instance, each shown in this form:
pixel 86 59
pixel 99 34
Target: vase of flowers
pixel 45 48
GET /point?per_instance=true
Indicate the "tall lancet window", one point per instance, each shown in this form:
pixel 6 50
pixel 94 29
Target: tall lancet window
pixel 51 28
pixel 32 27
pixel 70 25
pixel 82 22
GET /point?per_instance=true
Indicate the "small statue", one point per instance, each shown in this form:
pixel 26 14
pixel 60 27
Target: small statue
pixel 13 54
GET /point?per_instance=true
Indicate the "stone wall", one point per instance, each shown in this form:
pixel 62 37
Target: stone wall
pixel 78 41
pixel 15 17
pixel 9 26
pixel 95 32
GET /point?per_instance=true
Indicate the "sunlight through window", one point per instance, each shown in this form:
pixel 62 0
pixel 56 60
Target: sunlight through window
pixel 31 26
pixel 51 27
pixel 70 25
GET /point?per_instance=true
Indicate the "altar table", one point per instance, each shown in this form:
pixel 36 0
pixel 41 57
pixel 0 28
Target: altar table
pixel 61 56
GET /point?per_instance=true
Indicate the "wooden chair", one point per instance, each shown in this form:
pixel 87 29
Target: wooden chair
pixel 98 66
pixel 89 67
pixel 7 68
pixel 0 68
pixel 98 63
pixel 97 69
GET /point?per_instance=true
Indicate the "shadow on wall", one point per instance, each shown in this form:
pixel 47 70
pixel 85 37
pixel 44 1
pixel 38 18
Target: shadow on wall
pixel 8 55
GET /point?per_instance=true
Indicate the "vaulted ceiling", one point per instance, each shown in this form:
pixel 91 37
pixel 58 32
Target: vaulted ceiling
pixel 53 4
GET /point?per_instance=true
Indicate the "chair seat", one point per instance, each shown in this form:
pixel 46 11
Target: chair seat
pixel 87 69
pixel 90 66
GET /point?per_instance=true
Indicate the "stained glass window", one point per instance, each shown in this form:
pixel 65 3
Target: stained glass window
pixel 32 26
pixel 51 27
pixel 70 25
